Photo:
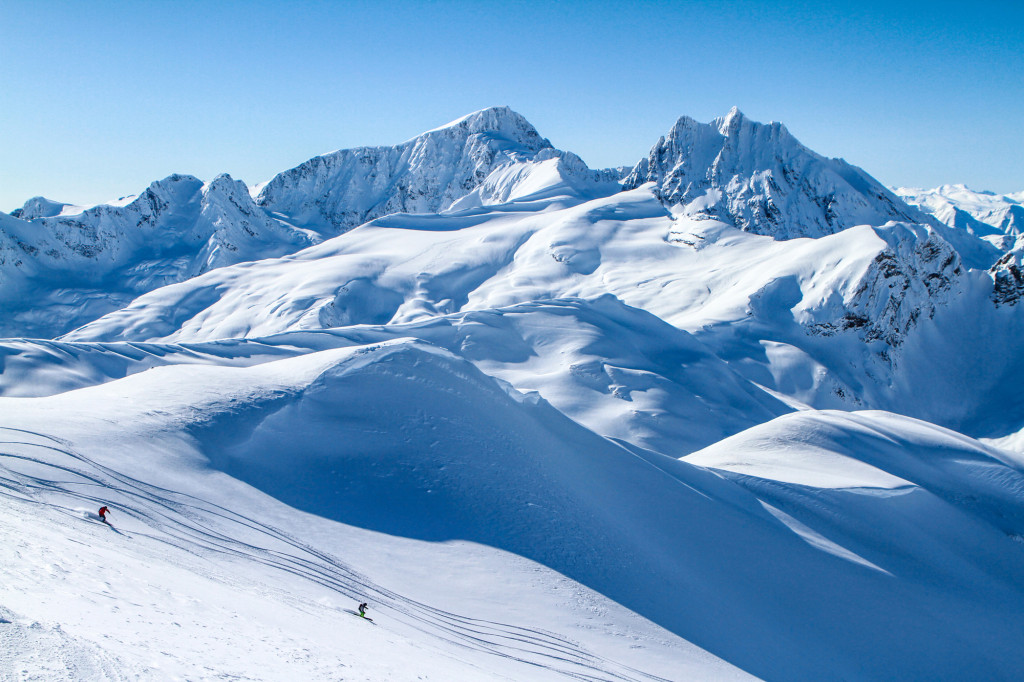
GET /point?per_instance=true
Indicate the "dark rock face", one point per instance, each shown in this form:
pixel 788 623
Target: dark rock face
pixel 917 272
pixel 1008 276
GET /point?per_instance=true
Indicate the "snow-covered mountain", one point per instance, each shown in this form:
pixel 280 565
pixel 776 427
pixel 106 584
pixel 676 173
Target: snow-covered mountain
pixel 983 213
pixel 62 270
pixel 489 154
pixel 759 178
pixel 737 412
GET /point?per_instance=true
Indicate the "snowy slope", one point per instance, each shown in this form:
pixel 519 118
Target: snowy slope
pixel 379 452
pixel 619 371
pixel 828 322
pixel 205 576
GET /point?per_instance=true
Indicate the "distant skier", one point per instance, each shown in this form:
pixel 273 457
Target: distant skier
pixel 103 515
pixel 361 613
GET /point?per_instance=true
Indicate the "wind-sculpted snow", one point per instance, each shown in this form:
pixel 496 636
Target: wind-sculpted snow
pixel 428 174
pixel 407 439
pixel 759 178
pixel 822 321
pixel 59 272
pixel 619 371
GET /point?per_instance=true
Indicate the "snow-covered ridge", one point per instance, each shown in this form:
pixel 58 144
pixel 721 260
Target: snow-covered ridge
pixel 986 214
pixel 427 174
pixel 759 178
pixel 178 228
pixel 41 207
pixel 916 272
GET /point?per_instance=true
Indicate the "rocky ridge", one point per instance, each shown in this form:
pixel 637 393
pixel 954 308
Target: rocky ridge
pixel 759 178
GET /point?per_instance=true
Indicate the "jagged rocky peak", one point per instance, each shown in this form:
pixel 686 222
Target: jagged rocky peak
pixel 759 178
pixel 427 174
pixel 192 225
pixel 1008 275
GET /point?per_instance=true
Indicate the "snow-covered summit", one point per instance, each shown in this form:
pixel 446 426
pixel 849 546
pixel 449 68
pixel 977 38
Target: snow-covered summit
pixel 427 174
pixel 41 207
pixel 759 178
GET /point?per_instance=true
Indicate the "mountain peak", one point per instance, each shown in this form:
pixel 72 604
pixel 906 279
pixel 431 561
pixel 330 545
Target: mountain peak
pixel 426 174
pixel 41 207
pixel 760 178
pixel 499 121
pixel 483 119
pixel 732 121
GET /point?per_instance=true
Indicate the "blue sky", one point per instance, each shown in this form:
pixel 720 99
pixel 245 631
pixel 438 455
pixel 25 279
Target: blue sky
pixel 101 98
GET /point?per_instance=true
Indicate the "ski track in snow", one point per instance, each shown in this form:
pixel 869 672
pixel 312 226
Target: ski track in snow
pixel 202 527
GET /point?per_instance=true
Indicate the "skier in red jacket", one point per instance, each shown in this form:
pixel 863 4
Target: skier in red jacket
pixel 103 514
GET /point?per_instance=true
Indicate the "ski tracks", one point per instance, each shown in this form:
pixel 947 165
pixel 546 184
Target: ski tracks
pixel 48 471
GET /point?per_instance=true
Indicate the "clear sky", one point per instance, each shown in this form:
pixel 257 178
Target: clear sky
pixel 101 98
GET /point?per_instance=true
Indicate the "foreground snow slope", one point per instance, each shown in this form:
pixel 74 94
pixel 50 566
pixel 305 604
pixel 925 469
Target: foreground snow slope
pixel 379 452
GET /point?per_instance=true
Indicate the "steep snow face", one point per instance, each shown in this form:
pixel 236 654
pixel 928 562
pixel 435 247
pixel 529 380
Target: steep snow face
pixel 985 214
pixel 336 192
pixel 77 266
pixel 759 178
